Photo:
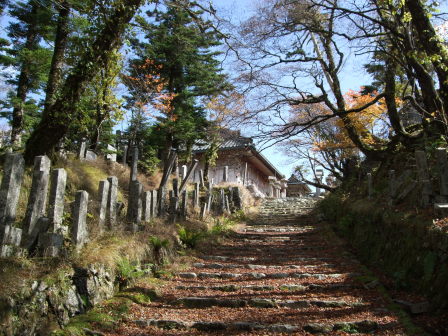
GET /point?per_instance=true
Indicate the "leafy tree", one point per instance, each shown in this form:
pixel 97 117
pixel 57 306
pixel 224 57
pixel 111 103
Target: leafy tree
pixel 178 50
pixel 327 144
pixel 286 42
pixel 56 119
pixel 33 23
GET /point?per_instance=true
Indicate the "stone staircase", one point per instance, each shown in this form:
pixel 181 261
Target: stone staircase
pixel 284 210
pixel 269 279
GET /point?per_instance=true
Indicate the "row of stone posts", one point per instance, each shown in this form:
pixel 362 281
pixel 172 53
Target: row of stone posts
pixel 42 231
pixel 402 185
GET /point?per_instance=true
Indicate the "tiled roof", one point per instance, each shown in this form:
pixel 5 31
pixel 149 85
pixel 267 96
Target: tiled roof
pixel 234 140
pixel 231 143
pixel 294 180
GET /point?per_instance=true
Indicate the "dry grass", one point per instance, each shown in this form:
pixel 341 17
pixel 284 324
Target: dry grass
pixel 17 273
pixel 111 247
pixel 246 197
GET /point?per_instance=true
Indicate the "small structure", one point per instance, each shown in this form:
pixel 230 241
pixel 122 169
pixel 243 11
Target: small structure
pixel 297 188
pixel 241 163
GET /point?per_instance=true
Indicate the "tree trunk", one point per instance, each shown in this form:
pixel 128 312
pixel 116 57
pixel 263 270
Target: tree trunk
pixel 432 45
pixel 60 43
pixel 57 118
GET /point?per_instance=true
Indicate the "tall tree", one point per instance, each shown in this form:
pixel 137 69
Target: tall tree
pixel 34 22
pixel 57 61
pixel 180 47
pixel 56 118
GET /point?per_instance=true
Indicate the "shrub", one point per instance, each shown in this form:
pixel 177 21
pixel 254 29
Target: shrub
pixel 158 244
pixel 222 225
pixel 189 237
pixel 127 272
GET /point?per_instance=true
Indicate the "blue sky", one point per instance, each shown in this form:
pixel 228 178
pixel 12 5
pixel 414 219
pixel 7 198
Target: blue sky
pixel 352 78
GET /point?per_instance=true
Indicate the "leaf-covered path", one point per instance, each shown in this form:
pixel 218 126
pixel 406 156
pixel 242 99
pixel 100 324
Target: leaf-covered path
pixel 278 276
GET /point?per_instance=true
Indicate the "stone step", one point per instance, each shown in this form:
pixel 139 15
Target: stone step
pixel 206 326
pixel 287 287
pixel 257 288
pixel 365 326
pixel 259 275
pixel 250 259
pixel 207 302
pixel 273 229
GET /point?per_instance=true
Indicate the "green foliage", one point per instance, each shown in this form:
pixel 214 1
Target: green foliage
pixel 188 237
pixel 176 50
pixel 127 271
pixel 222 226
pixel 104 317
pixel 158 243
pixel 239 216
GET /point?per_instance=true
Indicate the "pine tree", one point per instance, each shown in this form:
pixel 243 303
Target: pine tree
pixel 32 60
pixel 181 50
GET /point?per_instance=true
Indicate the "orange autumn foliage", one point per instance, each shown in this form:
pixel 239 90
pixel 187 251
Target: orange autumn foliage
pixel 151 89
pixel 371 123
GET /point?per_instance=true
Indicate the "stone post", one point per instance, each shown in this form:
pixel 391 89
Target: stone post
pixel 442 161
pixel 56 202
pixel 82 150
pixel 227 202
pixel 225 175
pixel 111 213
pixel 222 198
pixel 184 204
pixel 103 195
pixel 161 193
pixel 174 205
pixel 134 164
pixel 146 206
pixel 112 153
pixel 196 195
pixel 369 185
pixel 37 199
pixel 201 178
pixel 125 155
pixel 423 177
pixel 50 244
pixel 161 204
pixel 209 201
pixel 183 172
pixel 153 203
pixel 176 187
pixel 10 188
pixel 245 174
pixel 79 225
pixel 134 214
pixel 10 240
pixel 203 210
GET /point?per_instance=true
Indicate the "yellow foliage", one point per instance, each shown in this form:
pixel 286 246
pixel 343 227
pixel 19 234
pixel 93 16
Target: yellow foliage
pixel 371 123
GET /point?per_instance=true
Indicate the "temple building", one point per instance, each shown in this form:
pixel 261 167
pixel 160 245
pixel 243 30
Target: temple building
pixel 240 162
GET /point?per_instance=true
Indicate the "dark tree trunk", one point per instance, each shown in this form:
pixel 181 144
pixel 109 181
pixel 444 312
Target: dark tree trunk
pixel 57 118
pixel 60 43
pixel 390 94
pixel 431 44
